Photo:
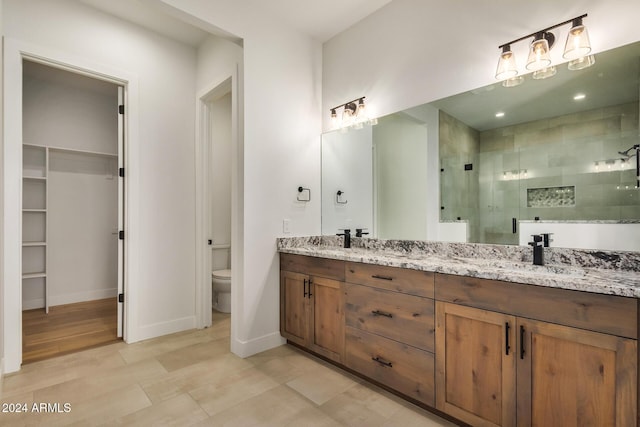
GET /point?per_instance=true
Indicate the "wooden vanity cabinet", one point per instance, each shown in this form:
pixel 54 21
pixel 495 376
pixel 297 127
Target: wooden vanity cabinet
pixel 390 328
pixel 312 304
pixel 558 366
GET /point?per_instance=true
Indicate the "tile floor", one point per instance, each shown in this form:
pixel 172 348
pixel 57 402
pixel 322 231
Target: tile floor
pixel 191 378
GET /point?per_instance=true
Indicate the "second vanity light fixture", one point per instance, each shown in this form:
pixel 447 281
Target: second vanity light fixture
pixel 577 50
pixel 353 115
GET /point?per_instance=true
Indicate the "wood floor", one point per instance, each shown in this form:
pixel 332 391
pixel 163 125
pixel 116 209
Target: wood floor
pixel 68 328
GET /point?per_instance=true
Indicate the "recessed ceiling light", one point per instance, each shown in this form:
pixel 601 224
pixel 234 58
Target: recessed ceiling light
pixel 579 97
pixel 499 114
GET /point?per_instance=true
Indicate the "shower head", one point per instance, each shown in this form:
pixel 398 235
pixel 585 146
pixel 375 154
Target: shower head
pixel 626 152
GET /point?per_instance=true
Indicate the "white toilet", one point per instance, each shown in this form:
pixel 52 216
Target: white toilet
pixel 221 286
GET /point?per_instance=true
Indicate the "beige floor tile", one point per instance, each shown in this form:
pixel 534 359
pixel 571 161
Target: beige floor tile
pixel 193 354
pixel 232 389
pixel 277 407
pixel 192 377
pixel 101 381
pixel 362 405
pixel 180 411
pixel 416 417
pixel 99 411
pixel 322 384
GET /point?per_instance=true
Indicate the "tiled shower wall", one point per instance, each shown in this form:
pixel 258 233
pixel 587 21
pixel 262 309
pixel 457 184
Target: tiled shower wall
pixel 553 153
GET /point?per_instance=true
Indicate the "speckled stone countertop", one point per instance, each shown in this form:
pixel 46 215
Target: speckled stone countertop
pixel 603 272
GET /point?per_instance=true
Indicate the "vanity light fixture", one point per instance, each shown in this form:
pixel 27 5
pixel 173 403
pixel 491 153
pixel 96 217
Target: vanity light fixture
pixel 354 114
pixel 577 50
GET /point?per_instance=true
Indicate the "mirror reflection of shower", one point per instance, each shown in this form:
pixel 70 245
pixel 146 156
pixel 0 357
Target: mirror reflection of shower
pixel 628 156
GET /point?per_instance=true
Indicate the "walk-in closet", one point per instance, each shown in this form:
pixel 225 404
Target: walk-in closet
pixel 71 204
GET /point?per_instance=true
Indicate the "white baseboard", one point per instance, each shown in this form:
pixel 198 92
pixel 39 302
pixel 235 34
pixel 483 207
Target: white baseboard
pixel 257 345
pixel 162 328
pixel 70 298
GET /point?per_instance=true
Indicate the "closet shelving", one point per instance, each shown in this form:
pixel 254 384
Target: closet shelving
pixel 35 224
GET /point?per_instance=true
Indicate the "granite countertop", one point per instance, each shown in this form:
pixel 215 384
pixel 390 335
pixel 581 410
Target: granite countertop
pixel 603 272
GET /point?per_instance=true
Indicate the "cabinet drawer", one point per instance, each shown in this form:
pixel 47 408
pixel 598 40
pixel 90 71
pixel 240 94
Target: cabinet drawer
pixel 324 267
pixel 405 318
pixel 407 281
pixel 403 368
pixel 608 314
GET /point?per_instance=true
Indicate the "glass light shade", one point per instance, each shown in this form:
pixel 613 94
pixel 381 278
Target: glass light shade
pixel 580 63
pixel 578 44
pixel 544 73
pixel 539 54
pixel 513 81
pixel 361 112
pixel 334 119
pixel 507 67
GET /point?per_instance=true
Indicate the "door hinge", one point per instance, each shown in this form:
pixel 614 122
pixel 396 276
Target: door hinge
pixel 121 234
pixel 120 297
pixel 121 109
pixel 121 172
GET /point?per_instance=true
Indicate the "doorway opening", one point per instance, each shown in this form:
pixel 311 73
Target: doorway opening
pixel 72 211
pixel 217 166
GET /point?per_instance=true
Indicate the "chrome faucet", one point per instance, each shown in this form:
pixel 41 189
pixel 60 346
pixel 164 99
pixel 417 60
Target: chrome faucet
pixel 538 251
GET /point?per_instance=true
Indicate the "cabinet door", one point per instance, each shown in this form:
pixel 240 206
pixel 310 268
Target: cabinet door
pixel 294 318
pixel 572 377
pixel 475 365
pixel 327 312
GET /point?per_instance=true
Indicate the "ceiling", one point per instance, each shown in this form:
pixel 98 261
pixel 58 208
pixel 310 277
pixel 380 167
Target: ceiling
pixel 320 19
pixel 612 80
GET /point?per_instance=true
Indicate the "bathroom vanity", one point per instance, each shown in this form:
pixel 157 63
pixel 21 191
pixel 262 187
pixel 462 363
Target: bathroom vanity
pixel 484 337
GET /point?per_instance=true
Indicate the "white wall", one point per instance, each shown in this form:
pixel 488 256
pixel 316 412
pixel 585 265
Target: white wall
pixel 347 166
pixel 282 76
pixel 2 320
pixel 220 175
pixel 417 51
pixel 161 129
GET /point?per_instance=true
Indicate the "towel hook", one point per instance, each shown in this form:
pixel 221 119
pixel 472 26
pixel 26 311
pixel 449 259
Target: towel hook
pixel 338 195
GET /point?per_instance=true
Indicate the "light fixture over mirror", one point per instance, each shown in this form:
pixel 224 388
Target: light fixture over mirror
pixel 353 115
pixel 577 49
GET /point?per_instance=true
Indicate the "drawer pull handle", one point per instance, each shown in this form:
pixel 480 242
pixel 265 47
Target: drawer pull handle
pixel 522 353
pixel 382 313
pixel 304 288
pixel 506 337
pixel 377 276
pixel 382 361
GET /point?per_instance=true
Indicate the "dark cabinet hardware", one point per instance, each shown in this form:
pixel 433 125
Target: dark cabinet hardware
pixel 304 288
pixel 506 337
pixel 514 225
pixel 377 276
pixel 382 361
pixel 382 313
pixel 521 342
pixel 309 294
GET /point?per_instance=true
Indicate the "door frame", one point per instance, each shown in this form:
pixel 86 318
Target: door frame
pixel 14 52
pixel 227 84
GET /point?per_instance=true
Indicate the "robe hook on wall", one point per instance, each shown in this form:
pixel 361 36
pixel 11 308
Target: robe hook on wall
pixel 339 196
pixel 300 191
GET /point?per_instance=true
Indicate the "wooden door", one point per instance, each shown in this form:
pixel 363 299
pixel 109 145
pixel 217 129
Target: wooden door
pixel 570 377
pixel 327 312
pixel 294 318
pixel 475 365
